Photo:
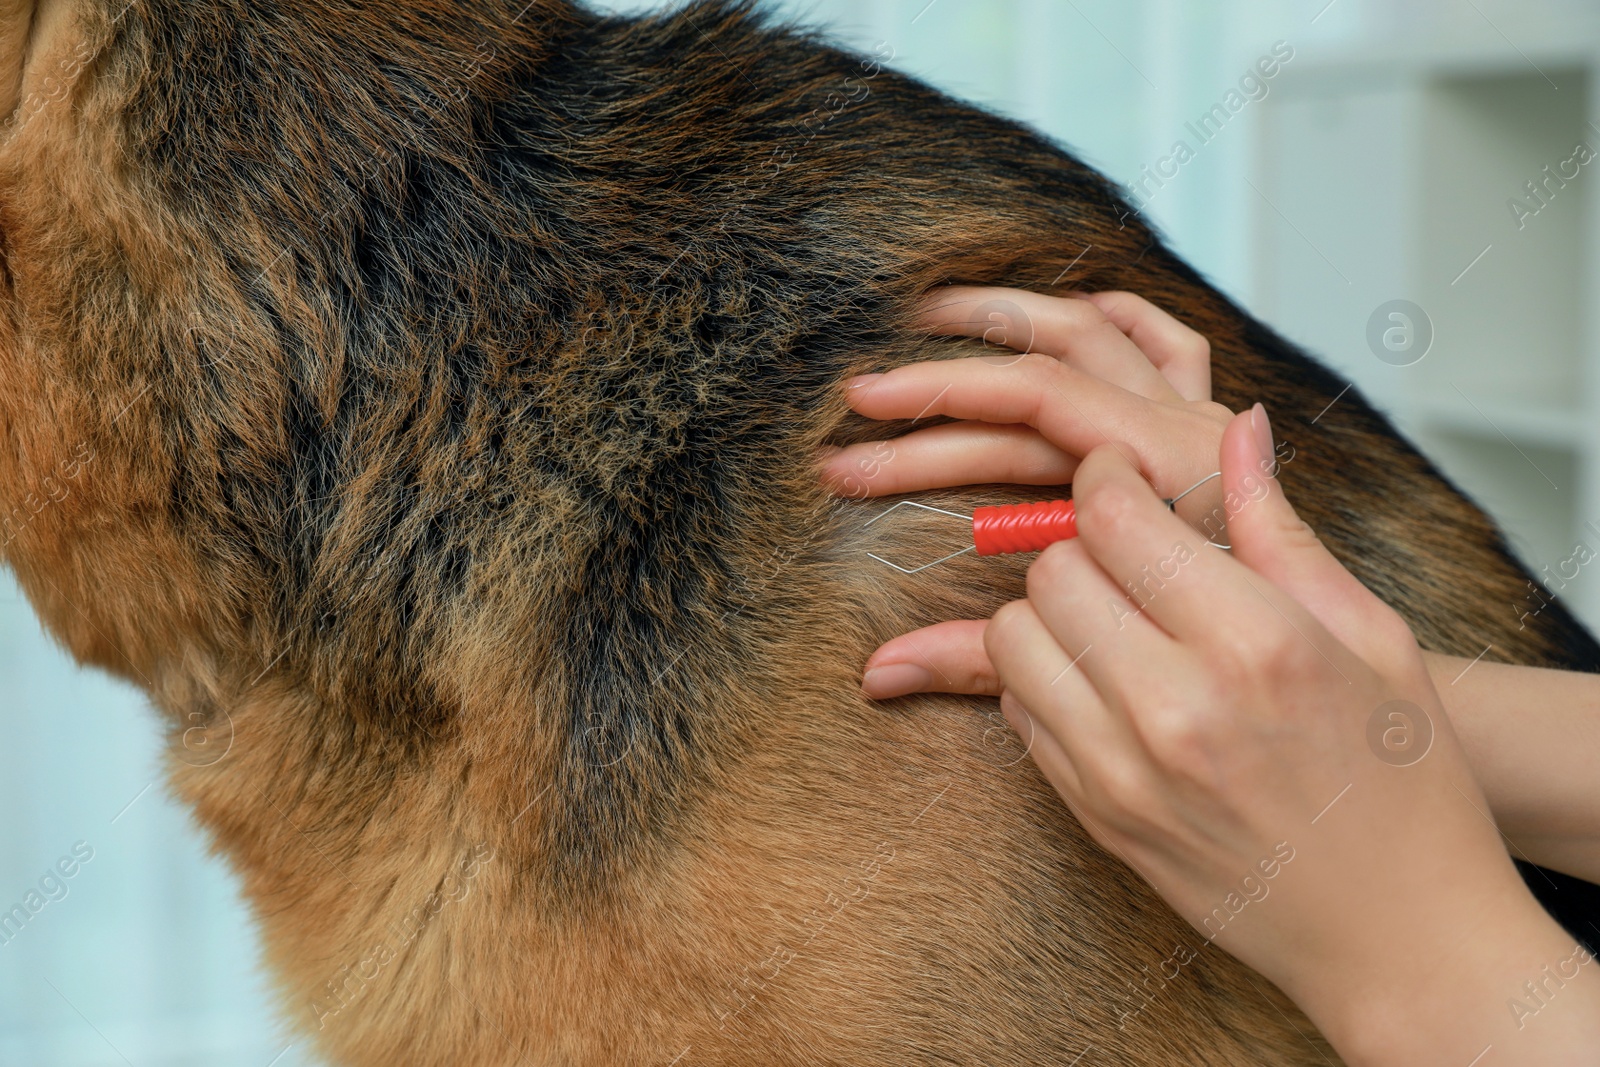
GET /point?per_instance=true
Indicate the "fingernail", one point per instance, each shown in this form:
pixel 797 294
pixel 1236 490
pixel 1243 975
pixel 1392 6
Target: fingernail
pixel 1263 430
pixel 863 380
pixel 895 680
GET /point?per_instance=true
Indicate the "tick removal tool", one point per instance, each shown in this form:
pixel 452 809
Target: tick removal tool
pixel 1009 528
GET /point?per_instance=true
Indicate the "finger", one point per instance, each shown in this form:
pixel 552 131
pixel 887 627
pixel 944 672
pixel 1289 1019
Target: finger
pixel 1073 330
pixel 1046 753
pixel 1199 595
pixel 1074 411
pixel 959 453
pixel 1182 355
pixel 1038 671
pixel 1272 540
pixel 1183 585
pixel 1095 812
pixel 1085 610
pixel 946 658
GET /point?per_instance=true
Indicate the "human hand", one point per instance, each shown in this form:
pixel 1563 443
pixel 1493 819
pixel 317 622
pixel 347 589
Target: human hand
pixel 1530 735
pixel 1066 375
pixel 1231 747
pixel 1104 364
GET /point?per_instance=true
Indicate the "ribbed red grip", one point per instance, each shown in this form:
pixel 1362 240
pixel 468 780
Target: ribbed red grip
pixel 1023 527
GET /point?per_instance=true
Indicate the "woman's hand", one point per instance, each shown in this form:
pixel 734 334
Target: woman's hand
pixel 1074 374
pixel 1285 777
pixel 1066 375
pixel 1520 726
pixel 1289 784
pixel 1531 736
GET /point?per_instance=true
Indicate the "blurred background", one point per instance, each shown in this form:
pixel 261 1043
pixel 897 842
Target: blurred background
pixel 1407 196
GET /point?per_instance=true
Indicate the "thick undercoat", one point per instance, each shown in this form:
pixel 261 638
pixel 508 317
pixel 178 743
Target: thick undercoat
pixel 419 400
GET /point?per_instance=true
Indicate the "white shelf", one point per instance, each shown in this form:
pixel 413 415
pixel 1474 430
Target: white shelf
pixel 1390 176
pixel 1471 57
pixel 1507 421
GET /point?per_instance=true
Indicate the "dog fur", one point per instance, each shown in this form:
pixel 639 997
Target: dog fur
pixel 419 401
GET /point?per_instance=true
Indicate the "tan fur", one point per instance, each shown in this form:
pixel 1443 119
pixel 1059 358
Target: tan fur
pixel 460 491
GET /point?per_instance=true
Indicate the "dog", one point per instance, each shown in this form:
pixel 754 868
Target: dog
pixel 419 401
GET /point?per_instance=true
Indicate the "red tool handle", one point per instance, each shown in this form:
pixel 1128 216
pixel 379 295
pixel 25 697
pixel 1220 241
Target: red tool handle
pixel 1023 527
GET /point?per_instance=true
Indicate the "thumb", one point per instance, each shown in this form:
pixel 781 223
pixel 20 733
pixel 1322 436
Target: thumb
pixel 1270 538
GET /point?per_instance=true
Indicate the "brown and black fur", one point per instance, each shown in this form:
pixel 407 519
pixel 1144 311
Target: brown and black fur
pixel 419 401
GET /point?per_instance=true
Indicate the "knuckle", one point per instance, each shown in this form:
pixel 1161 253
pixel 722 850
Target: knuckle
pixel 1072 320
pixel 1052 569
pixel 1297 534
pixel 1181 738
pixel 1121 791
pixel 1241 653
pixel 1007 623
pixel 1120 303
pixel 1293 664
pixel 1214 412
pixel 1186 341
pixel 1041 371
pixel 1007 325
pixel 1282 651
pixel 1105 507
pixel 1045 366
pixel 1084 315
pixel 1102 333
pixel 1212 699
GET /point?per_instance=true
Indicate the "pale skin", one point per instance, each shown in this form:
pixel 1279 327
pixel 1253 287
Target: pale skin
pixel 1208 725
